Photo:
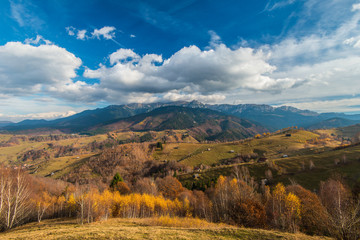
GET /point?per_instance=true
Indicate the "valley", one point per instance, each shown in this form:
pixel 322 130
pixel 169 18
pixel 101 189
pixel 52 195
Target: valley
pixel 180 153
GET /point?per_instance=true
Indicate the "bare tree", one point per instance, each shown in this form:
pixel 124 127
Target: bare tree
pixel 14 200
pixel 344 211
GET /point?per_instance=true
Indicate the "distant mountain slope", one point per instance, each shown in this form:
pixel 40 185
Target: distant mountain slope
pixel 333 123
pixel 270 117
pixel 5 123
pixel 203 124
pixel 273 118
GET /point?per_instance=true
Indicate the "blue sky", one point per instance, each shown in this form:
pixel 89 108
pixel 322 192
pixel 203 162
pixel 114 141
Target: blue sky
pixel 58 57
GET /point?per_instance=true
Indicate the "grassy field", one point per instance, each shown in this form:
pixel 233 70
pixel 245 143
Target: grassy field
pixel 10 153
pixel 139 229
pixel 272 147
pixel 327 162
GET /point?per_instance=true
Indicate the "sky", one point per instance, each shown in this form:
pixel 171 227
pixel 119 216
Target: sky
pixel 59 57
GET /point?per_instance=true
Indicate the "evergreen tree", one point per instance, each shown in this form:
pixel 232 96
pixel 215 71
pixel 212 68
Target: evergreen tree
pixel 117 178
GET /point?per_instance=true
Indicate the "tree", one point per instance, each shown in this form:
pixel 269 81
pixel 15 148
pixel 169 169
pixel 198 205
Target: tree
pixel 277 206
pixel 249 213
pixel 292 213
pixel 117 178
pixel 169 186
pixel 314 217
pixel 159 145
pixel 42 203
pixel 122 188
pixel 344 210
pixel 14 193
pixel 145 185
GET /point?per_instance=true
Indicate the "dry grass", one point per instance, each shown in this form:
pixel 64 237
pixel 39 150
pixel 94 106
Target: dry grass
pixel 178 222
pixel 137 229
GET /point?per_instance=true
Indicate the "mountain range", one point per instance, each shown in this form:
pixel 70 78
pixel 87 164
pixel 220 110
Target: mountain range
pixel 202 124
pixel 269 117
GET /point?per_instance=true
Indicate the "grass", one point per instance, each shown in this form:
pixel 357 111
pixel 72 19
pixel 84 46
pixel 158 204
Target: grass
pixel 139 229
pixel 194 154
pixel 323 160
pixel 60 166
pixel 8 154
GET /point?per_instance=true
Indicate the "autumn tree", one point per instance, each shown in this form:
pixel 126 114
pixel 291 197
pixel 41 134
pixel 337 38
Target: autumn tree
pixel 14 194
pixel 145 185
pixel 169 187
pixel 236 201
pixel 343 209
pixel 42 203
pixel 284 209
pixel 314 217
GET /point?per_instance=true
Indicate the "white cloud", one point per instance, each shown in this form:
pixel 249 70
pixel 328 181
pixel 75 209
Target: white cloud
pixel 81 34
pixel 123 55
pixel 142 98
pixel 355 7
pixel 46 115
pixel 22 13
pixel 132 36
pixel 205 71
pixel 178 96
pixel 27 69
pixel 70 30
pixel 340 105
pixel 37 107
pixel 106 32
pixel 273 5
pixel 37 40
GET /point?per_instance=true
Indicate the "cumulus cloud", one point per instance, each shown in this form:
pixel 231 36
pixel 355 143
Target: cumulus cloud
pixel 191 69
pixel 123 55
pixel 142 98
pixel 27 69
pixel 106 32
